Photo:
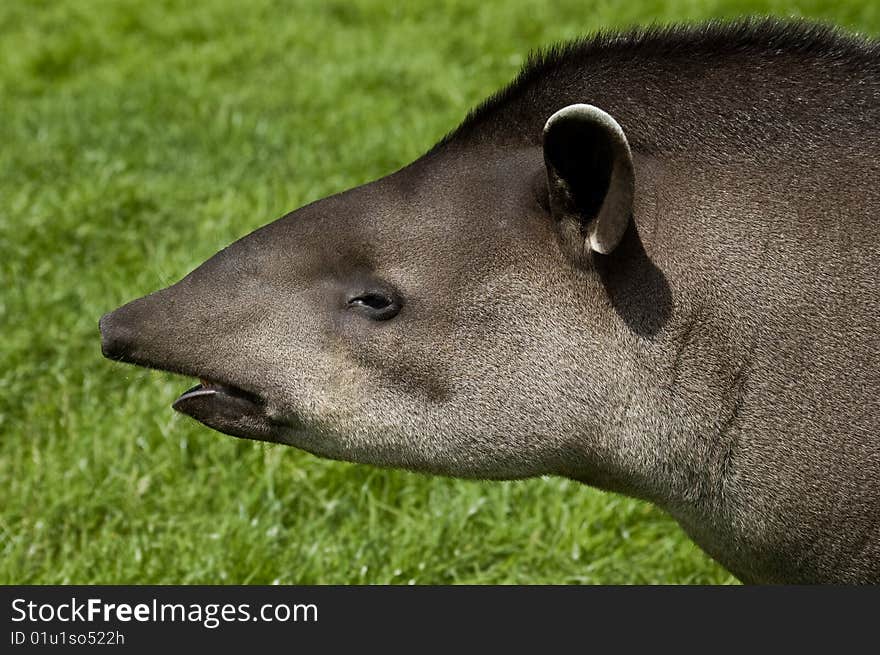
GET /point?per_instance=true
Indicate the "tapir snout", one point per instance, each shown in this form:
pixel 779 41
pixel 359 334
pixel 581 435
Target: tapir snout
pixel 192 329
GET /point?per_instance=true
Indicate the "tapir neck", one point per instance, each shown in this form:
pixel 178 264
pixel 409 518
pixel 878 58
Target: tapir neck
pixel 670 436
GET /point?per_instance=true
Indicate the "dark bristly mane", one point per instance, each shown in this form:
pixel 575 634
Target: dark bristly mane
pixel 629 73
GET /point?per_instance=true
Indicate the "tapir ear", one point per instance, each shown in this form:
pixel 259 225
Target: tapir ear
pixel 590 177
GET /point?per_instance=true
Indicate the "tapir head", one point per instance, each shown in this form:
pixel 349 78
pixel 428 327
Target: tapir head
pixel 447 318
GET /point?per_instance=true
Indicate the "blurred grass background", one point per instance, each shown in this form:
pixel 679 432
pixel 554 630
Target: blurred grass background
pixel 139 137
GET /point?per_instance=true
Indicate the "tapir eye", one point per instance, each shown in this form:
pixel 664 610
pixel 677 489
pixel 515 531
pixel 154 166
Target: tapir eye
pixel 377 305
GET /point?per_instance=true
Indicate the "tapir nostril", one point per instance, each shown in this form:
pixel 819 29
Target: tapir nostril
pixel 115 340
pixel 107 342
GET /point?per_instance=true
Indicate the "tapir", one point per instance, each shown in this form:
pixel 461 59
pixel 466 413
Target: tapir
pixel 649 264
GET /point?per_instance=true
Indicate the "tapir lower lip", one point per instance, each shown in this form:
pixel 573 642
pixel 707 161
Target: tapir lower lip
pixel 227 409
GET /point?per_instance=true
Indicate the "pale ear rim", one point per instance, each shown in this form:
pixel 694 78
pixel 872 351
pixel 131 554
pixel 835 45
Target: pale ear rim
pixel 590 113
pixel 613 218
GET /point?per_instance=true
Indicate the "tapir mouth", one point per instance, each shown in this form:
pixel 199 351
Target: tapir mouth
pixel 216 392
pixel 227 409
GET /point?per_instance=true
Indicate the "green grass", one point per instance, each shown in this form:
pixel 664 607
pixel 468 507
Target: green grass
pixel 136 139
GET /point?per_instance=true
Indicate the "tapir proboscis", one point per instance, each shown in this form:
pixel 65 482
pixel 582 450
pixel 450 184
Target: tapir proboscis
pixel 650 264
